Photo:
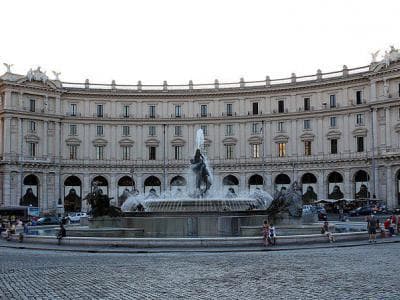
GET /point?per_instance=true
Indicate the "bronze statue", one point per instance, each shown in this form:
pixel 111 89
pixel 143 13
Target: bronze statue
pixel 336 193
pixel 203 182
pixel 29 199
pixel 309 196
pixel 100 203
pixel 72 202
pixel 363 192
pixel 287 201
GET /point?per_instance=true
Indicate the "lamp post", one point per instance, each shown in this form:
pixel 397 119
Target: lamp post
pixel 133 182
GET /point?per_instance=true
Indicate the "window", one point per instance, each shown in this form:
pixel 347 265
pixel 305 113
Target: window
pixel 178 111
pixel 72 129
pixel 32 126
pixel 178 152
pixel 399 89
pixel 32 149
pixel 332 101
pixel 229 109
pixel 255 108
pixel 99 110
pixel 307 124
pixel 229 130
pixel 281 106
pixel 152 130
pixel 229 151
pixel 152 111
pixel 360 144
pixel 99 152
pixel 280 126
pixel 359 97
pixel 125 111
pixel 125 130
pixel 178 130
pixel 203 110
pixel 205 129
pixel 73 109
pixel 99 130
pixel 334 146
pixel 307 104
pixel 73 152
pixel 32 105
pixel 255 150
pixel 307 148
pixel 333 122
pixel 255 128
pixel 206 148
pixel 360 119
pixel 126 152
pixel 152 153
pixel 282 149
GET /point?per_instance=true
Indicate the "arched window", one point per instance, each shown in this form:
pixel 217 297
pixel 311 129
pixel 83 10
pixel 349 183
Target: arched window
pixel 282 179
pixel 230 180
pixel 308 178
pixel 72 194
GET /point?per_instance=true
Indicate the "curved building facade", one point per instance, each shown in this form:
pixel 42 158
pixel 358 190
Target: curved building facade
pixel 335 133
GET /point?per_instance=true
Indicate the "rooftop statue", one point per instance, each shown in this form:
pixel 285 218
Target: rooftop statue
pixel 37 75
pixel 199 167
pixel 57 75
pixel 8 67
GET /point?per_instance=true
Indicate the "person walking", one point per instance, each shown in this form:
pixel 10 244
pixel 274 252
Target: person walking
pixel 272 234
pixel 61 233
pixel 372 224
pixel 325 230
pixel 265 231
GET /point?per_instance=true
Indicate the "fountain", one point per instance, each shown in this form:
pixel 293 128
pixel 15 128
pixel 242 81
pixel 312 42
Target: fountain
pixel 201 212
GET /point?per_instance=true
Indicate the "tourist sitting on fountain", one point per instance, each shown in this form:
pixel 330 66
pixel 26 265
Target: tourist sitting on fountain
pixel 152 194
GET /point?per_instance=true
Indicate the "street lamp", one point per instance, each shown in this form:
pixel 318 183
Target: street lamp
pixel 133 182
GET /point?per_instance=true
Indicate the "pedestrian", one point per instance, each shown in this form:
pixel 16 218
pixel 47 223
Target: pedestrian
pixel 372 224
pixel 61 233
pixel 272 234
pixel 265 231
pixel 325 230
pixel 392 226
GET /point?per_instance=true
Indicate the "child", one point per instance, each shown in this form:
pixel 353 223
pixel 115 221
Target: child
pixel 272 234
pixel 266 233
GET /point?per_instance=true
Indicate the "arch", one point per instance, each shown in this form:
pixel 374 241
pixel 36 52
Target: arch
pixel 361 185
pixel 72 194
pixel 152 183
pixel 361 176
pixel 230 180
pixel 256 180
pixel 126 181
pixel 335 177
pixel 31 187
pixel 102 183
pixel 309 187
pixel 282 179
pixel 178 181
pixel 308 178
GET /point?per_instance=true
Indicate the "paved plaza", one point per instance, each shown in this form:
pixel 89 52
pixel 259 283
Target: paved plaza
pixel 363 272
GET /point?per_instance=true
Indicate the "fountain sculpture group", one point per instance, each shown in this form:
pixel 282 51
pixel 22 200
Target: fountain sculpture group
pixel 198 213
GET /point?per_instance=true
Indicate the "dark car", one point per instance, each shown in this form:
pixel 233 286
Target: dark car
pixel 361 211
pixel 48 221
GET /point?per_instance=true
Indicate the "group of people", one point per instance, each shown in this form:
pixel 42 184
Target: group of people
pixel 390 227
pixel 269 234
pixel 12 227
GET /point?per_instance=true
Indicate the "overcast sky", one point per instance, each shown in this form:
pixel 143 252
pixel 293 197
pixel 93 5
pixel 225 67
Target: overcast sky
pixel 202 40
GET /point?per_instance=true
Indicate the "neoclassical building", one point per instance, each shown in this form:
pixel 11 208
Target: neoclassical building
pixel 335 133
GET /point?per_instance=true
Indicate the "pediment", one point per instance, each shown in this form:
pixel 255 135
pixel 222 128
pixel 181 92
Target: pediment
pixel 152 142
pixel 230 141
pixel 307 136
pixel 99 142
pixel 282 138
pixel 178 142
pixel 333 134
pixel 255 140
pixel 32 138
pixel 360 132
pixel 127 142
pixel 39 84
pixel 73 141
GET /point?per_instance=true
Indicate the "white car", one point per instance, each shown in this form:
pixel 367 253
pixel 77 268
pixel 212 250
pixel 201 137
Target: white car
pixel 76 217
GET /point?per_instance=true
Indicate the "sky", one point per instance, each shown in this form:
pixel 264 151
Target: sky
pixel 182 40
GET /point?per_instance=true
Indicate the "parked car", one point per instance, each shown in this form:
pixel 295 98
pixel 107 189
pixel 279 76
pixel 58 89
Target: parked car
pixel 48 221
pixel 76 217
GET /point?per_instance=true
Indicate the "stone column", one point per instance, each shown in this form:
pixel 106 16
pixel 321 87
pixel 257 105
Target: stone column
pixel 391 188
pixel 44 199
pixel 348 185
pixel 45 139
pixel 373 90
pixel 387 129
pixel 7 136
pixel 7 100
pixel 7 189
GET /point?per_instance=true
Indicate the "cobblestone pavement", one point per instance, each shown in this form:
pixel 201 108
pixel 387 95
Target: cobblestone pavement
pixel 365 272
